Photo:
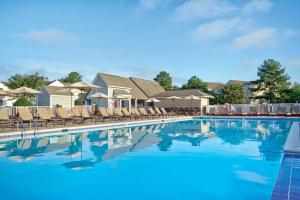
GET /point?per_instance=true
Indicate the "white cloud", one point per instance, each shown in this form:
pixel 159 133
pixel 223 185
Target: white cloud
pixel 191 9
pixel 216 29
pixel 259 38
pixel 150 4
pixel 48 36
pixel 295 62
pixel 257 6
pixel 289 33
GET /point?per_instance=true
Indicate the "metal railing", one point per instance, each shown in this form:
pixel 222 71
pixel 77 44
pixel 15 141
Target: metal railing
pixel 254 109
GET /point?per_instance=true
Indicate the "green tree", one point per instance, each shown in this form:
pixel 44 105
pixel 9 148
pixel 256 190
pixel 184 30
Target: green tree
pixel 293 94
pixel 79 102
pixel 23 101
pixel 72 77
pixel 232 93
pixel 195 83
pixel 164 79
pixel 34 81
pixel 272 82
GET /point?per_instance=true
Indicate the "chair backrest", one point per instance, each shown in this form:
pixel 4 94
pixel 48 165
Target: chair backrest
pixel 143 111
pixel 118 112
pixel 110 111
pixel 136 111
pixel 151 111
pixel 25 114
pixel 296 109
pixel 84 113
pixel 163 110
pixel 51 113
pixel 4 115
pixel 76 112
pixel 126 112
pixel 264 109
pixel 253 110
pixel 62 113
pixel 103 112
pixel 157 111
pixel 43 113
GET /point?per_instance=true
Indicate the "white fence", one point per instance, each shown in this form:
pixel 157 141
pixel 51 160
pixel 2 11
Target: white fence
pixel 254 109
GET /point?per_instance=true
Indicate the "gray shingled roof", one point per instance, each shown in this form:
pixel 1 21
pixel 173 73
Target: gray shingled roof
pixel 52 90
pixel 150 88
pixel 237 82
pixel 119 81
pixel 214 85
pixel 183 93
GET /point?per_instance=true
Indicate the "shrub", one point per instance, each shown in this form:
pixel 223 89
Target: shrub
pixel 23 101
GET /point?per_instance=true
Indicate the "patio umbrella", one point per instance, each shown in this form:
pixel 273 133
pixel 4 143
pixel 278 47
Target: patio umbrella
pixel 192 98
pixel 24 90
pixel 152 100
pixel 81 86
pixel 98 95
pixel 173 99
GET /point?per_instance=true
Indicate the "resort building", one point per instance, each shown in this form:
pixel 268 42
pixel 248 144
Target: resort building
pixel 57 94
pixel 167 100
pixel 134 92
pixel 214 87
pixel 123 91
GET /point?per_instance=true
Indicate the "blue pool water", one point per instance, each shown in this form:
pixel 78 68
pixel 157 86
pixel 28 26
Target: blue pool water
pixel 197 159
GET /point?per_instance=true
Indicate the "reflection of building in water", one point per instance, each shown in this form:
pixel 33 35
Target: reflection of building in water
pixel 97 146
pixel 119 138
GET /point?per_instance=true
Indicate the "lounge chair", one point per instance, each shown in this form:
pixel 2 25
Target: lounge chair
pixel 25 117
pixel 127 113
pixel 48 116
pixel 5 121
pixel 283 110
pixel 118 113
pixel 223 110
pixel 64 114
pixel 296 109
pixel 253 111
pixel 152 112
pixel 163 110
pixel 86 115
pixel 135 113
pixel 159 112
pixel 264 109
pixel 111 113
pixel 103 113
pixel 239 111
pixel 144 112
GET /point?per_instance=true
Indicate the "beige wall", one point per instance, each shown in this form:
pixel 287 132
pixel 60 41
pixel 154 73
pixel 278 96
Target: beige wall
pixel 65 101
pixel 182 103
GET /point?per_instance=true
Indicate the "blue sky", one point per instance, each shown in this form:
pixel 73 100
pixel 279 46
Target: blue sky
pixel 213 39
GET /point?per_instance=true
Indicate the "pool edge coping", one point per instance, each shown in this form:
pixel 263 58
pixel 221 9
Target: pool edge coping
pixel 68 130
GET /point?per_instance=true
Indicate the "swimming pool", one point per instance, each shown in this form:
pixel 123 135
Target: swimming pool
pixel 194 159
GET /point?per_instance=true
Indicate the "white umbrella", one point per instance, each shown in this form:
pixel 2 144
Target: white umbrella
pixel 152 100
pixel 192 98
pixel 98 95
pixel 82 85
pixel 24 90
pixel 173 99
